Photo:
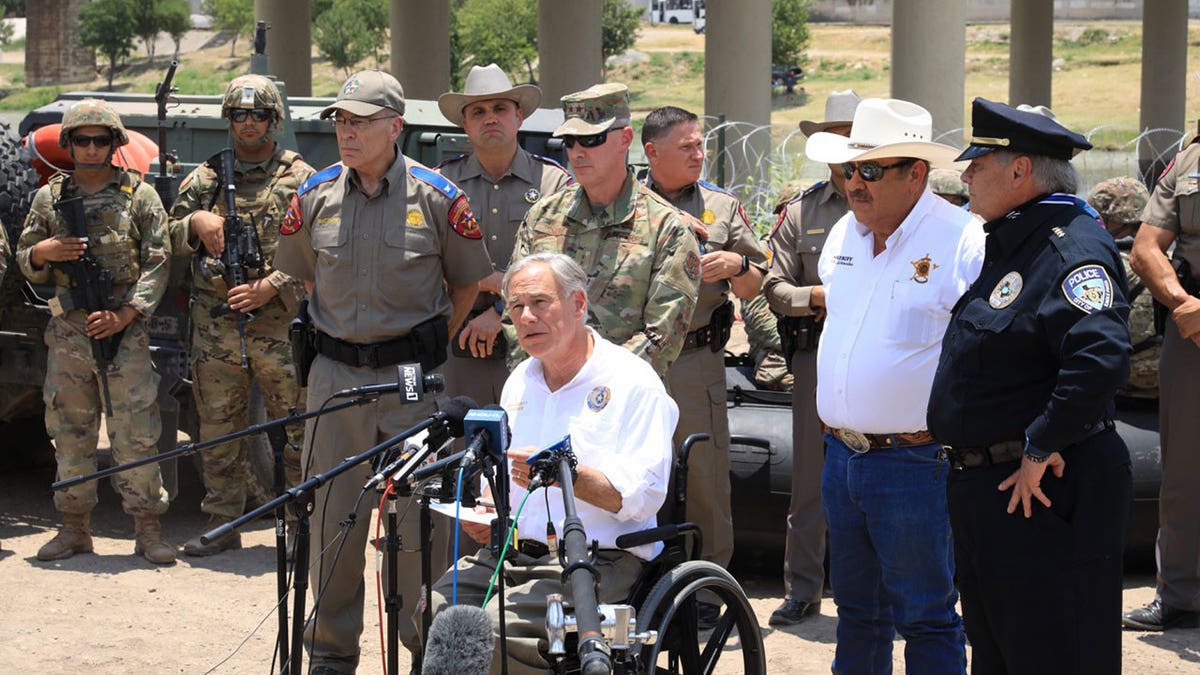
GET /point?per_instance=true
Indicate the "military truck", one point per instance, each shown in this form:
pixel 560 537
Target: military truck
pixel 194 132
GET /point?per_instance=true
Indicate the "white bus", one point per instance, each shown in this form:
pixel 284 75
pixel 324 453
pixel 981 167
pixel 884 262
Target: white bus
pixel 675 11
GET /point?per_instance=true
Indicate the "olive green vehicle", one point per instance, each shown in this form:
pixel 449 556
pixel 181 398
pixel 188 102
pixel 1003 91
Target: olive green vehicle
pixel 194 132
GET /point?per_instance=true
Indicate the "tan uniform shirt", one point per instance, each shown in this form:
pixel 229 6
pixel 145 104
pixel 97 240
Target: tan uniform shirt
pixel 728 230
pixel 377 262
pixel 500 206
pixel 795 246
pixel 1175 205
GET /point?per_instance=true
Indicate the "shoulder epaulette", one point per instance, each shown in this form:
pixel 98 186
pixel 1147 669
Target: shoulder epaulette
pixel 446 161
pixel 812 188
pixel 290 157
pixel 551 162
pixel 438 181
pixel 323 176
pixel 709 186
pixel 1064 199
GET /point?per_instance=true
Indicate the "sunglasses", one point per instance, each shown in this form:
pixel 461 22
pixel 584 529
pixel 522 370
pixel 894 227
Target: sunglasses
pixel 591 141
pixel 259 114
pixel 81 141
pixel 872 171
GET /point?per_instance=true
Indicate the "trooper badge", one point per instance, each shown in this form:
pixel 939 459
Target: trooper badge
pixel 1006 291
pixel 532 195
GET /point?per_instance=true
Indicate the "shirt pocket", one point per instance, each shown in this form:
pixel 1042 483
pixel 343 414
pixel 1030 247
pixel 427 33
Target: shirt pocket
pixel 985 322
pixel 912 314
pixel 329 240
pixel 416 242
pixel 1187 196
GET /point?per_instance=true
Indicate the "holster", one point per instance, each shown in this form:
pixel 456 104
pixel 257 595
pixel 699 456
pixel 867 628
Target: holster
pixel 499 347
pixel 1183 272
pixel 300 333
pixel 797 334
pixel 721 323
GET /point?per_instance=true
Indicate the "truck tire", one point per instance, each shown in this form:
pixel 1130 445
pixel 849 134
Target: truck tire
pixel 18 182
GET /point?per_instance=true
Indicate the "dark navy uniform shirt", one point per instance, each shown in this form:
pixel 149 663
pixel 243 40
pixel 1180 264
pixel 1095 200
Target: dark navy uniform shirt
pixel 1038 345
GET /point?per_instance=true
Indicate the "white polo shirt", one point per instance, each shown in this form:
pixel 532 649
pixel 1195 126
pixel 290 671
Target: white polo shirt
pixel 621 421
pixel 887 314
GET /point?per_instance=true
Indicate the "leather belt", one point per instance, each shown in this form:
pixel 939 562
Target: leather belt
pixel 699 337
pixel 860 442
pixel 533 549
pixel 373 355
pixel 1006 451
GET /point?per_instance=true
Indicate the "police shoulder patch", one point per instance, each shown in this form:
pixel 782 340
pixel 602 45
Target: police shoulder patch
pixel 323 176
pixel 292 220
pixel 436 180
pixel 1088 288
pixel 462 220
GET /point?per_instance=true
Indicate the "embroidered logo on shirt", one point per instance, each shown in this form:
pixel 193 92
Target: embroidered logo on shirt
pixel 598 398
pixel 847 260
pixel 291 220
pixel 1006 291
pixel 922 268
pixel 532 195
pixel 708 217
pixel 1088 288
pixel 462 220
pixel 692 265
pixel 415 218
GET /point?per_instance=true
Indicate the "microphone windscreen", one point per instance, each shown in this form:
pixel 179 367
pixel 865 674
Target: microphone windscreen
pixel 460 642
pixel 456 411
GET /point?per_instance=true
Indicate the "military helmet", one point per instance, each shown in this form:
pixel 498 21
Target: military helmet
pixel 1119 200
pixel 92 112
pixel 252 91
pixel 948 183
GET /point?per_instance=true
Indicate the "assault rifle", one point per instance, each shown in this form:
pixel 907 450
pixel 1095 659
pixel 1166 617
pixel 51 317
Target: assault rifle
pixel 91 289
pixel 241 254
pixel 163 183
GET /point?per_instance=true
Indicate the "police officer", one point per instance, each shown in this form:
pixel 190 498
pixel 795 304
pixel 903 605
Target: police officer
pixel 266 176
pixel 641 257
pixel 794 292
pixel 731 261
pixel 1171 217
pixel 1022 397
pixel 127 228
pixel 1120 202
pixel 502 180
pixel 393 256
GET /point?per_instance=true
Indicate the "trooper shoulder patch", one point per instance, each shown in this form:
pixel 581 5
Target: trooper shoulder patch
pixel 462 220
pixel 292 220
pixel 1088 288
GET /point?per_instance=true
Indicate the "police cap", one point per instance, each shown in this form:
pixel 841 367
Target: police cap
pixel 995 126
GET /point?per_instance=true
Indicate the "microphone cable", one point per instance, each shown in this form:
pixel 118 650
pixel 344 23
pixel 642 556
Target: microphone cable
pixel 457 533
pixel 504 551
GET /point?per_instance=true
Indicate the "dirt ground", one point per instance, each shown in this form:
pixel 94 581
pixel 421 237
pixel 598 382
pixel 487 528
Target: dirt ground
pixel 112 612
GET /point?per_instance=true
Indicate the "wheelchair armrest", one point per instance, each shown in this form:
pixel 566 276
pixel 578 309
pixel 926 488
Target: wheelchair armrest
pixel 661 533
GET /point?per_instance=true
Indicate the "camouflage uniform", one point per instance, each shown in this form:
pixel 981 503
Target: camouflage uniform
pixel 947 183
pixel 4 251
pixel 642 260
pixel 762 332
pixel 220 385
pixel 1120 202
pixel 127 233
pixel 697 378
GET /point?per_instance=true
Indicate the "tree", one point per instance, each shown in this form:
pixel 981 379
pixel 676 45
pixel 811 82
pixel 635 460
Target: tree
pixel 503 32
pixel 620 23
pixel 789 32
pixel 146 24
pixel 235 16
pixel 12 8
pixel 106 26
pixel 350 30
pixel 175 18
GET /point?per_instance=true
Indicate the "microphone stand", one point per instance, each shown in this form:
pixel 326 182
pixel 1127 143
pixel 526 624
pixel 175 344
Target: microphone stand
pixel 500 492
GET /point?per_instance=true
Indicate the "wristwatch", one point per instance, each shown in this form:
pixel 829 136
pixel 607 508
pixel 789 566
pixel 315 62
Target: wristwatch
pixel 745 266
pixel 499 307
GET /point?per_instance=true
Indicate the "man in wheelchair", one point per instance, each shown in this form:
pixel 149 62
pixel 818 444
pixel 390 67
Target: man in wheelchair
pixel 620 421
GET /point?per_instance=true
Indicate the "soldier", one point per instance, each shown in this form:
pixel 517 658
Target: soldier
pixel 731 261
pixel 502 181
pixel 1120 201
pixel 642 260
pixel 393 257
pixel 794 292
pixel 762 334
pixel 267 176
pixel 127 228
pixel 947 184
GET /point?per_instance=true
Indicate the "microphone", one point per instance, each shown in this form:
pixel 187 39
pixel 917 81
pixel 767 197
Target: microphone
pixel 460 642
pixel 411 382
pixel 448 424
pixel 488 431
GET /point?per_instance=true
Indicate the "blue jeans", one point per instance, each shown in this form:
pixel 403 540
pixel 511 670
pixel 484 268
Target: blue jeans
pixel 891 561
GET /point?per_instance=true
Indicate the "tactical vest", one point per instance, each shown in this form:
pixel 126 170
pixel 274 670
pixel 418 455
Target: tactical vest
pixel 111 237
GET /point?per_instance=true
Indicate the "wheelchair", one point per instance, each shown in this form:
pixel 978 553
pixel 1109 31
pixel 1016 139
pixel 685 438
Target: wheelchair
pixel 666 636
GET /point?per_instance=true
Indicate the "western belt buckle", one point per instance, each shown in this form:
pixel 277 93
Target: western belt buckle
pixel 856 441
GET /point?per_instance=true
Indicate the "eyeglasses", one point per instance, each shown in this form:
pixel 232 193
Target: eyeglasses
pixel 591 141
pixel 872 171
pixel 259 114
pixel 81 141
pixel 359 123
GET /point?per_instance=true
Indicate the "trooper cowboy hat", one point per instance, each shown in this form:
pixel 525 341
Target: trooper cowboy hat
pixel 839 112
pixel 883 127
pixel 485 83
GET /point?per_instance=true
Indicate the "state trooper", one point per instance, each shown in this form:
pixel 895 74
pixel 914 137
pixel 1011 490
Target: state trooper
pixel 266 176
pixel 501 180
pixel 730 261
pixel 127 236
pixel 793 290
pixel 393 256
pixel 640 254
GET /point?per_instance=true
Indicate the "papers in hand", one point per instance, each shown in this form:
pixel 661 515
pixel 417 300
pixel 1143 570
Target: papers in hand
pixel 466 514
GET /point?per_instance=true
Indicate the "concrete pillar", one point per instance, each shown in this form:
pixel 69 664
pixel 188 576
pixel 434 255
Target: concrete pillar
pixel 1164 80
pixel 737 76
pixel 569 56
pixel 1031 52
pixel 929 52
pixel 289 41
pixel 52 52
pixel 421 47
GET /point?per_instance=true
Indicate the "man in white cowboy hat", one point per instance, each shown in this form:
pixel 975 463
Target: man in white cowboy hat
pixel 892 270
pixel 502 180
pixel 794 292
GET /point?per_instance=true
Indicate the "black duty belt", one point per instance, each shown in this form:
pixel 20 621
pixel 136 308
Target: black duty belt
pixel 426 344
pixel 1005 451
pixel 699 337
pixel 533 549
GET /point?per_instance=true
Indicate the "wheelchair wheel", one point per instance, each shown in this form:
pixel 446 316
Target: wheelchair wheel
pixel 682 646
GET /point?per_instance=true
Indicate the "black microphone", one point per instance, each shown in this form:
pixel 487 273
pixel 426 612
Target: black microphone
pixel 411 382
pixel 435 468
pixel 449 423
pixel 460 642
pixel 488 431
